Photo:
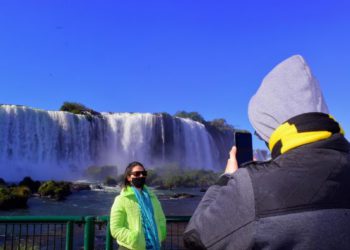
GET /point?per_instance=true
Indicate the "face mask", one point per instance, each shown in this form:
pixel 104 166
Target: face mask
pixel 138 182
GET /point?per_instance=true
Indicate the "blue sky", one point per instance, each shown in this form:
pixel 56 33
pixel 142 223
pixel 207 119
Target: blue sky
pixel 166 56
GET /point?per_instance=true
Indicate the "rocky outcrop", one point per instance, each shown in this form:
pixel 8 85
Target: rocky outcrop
pixel 15 197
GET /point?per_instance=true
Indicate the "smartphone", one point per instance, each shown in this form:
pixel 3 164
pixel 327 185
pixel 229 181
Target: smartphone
pixel 243 142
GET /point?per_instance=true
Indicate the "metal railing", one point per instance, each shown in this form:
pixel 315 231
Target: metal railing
pixel 73 232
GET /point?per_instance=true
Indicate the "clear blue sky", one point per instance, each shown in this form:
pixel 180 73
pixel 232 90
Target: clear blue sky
pixel 166 56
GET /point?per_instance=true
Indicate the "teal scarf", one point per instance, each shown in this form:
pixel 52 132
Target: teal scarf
pixel 148 221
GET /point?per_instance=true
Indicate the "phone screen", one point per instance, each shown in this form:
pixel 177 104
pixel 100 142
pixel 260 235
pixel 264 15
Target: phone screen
pixel 243 142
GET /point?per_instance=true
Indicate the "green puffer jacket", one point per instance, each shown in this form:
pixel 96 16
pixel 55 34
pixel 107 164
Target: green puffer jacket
pixel 126 223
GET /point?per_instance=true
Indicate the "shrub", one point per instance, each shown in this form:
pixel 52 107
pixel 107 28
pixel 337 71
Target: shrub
pixel 55 190
pixel 15 197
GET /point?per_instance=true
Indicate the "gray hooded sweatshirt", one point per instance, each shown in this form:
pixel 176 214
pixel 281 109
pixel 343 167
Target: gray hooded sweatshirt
pixel 298 200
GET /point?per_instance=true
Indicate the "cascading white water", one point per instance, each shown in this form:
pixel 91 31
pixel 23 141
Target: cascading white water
pixel 60 145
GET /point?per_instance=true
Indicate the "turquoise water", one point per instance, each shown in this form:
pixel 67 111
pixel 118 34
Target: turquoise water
pixel 99 203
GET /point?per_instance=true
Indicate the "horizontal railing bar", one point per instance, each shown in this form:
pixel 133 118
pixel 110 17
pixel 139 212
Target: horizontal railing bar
pixel 178 218
pixel 41 219
pixel 105 218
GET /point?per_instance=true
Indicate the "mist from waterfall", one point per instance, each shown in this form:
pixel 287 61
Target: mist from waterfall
pixel 60 145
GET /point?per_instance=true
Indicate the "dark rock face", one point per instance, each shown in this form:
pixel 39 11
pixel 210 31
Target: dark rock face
pixel 2 182
pixel 32 185
pixel 170 137
pixel 80 186
pixel 224 140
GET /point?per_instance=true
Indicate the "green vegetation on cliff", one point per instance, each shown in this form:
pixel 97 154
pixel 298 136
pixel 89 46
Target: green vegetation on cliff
pixel 220 123
pixel 195 116
pixel 182 178
pixel 78 109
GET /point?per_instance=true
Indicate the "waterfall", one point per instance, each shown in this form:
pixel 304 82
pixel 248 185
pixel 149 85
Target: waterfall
pixel 60 145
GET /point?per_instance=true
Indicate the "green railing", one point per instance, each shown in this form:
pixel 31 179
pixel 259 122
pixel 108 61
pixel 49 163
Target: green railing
pixel 73 232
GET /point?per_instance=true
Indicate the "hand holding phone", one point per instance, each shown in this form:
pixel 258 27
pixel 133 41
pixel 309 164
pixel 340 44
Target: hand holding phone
pixel 241 152
pixel 232 164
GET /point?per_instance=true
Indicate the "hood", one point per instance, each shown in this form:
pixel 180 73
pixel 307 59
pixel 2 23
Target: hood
pixel 290 89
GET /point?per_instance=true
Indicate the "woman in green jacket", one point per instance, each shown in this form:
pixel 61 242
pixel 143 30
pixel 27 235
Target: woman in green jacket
pixel 137 220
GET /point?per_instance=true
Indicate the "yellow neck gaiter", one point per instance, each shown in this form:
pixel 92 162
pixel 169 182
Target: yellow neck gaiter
pixel 302 129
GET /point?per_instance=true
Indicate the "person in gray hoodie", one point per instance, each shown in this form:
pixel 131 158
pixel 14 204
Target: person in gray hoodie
pixel 300 199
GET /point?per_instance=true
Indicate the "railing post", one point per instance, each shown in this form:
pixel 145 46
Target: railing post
pixel 69 235
pixel 109 240
pixel 89 233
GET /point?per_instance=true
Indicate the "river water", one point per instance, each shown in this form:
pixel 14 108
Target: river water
pixel 97 203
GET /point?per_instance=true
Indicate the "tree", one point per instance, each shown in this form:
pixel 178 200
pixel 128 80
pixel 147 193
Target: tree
pixel 221 124
pixel 195 116
pixel 77 108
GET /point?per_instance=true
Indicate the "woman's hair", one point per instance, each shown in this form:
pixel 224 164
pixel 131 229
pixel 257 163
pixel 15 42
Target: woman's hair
pixel 128 171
